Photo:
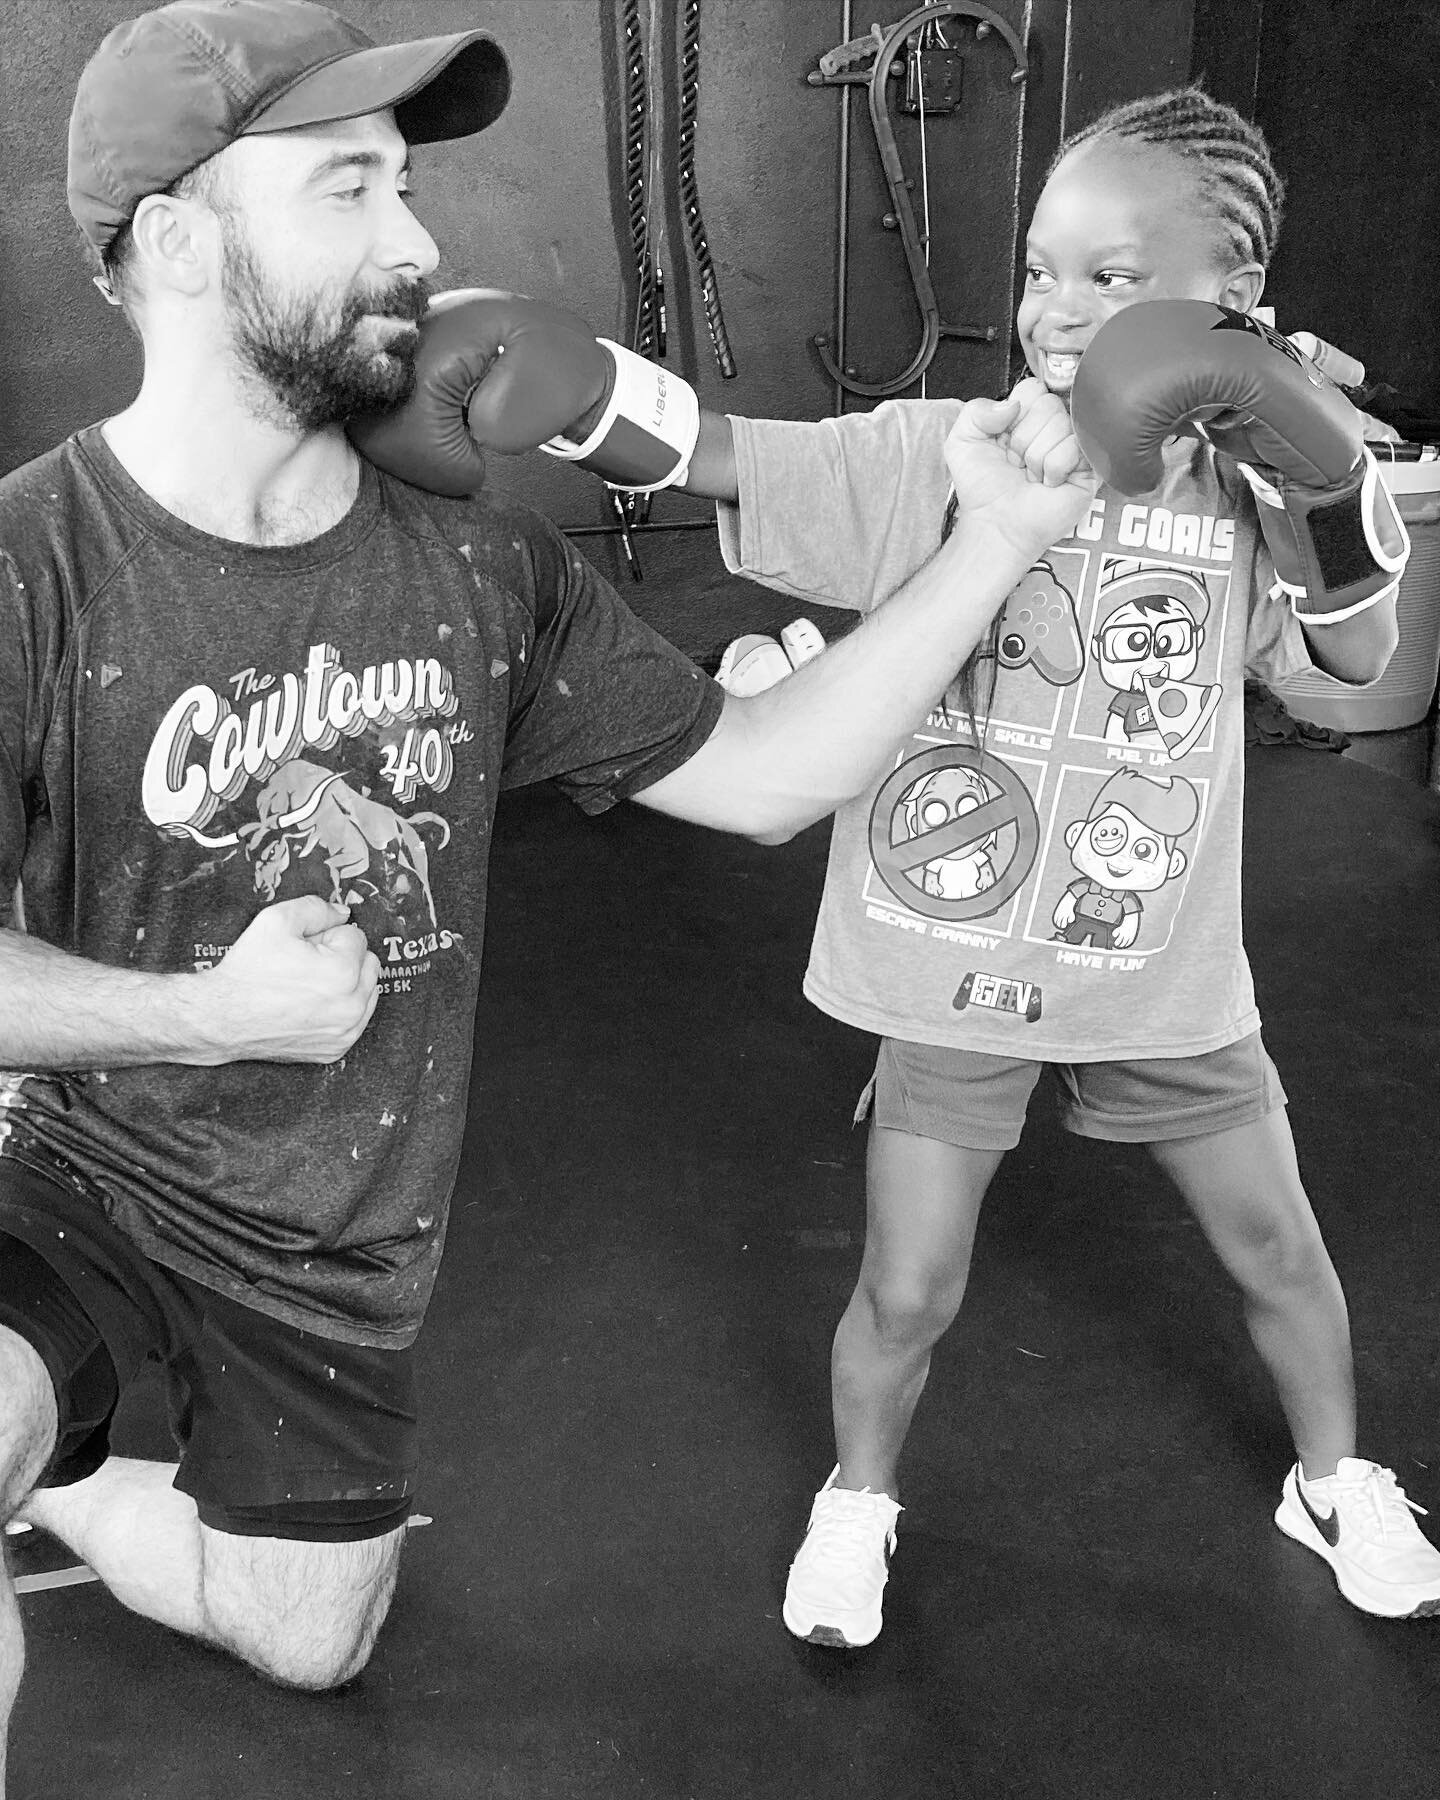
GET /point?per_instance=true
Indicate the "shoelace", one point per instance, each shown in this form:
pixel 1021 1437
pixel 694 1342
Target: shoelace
pixel 845 1533
pixel 1383 1499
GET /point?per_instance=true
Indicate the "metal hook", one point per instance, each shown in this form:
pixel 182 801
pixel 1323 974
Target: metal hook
pixel 868 60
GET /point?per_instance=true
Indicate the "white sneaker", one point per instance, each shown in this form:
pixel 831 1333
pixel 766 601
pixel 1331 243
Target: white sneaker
pixel 1360 1521
pixel 839 1573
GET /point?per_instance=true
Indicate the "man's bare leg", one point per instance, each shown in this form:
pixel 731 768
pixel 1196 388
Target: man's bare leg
pixel 305 1614
pixel 27 1437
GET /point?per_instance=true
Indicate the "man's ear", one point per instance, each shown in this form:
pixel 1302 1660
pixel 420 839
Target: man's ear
pixel 174 243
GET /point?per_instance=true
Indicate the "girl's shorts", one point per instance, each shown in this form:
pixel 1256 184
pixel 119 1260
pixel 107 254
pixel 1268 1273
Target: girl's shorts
pixel 978 1102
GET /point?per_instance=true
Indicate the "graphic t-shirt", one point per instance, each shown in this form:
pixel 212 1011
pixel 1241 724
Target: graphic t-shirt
pixel 192 730
pixel 1060 880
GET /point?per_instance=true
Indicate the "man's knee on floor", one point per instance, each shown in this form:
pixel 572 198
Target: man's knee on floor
pixel 27 1419
pixel 309 1662
pixel 306 1615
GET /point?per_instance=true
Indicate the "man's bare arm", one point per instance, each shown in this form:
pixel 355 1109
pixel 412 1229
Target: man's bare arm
pixel 298 985
pixel 781 759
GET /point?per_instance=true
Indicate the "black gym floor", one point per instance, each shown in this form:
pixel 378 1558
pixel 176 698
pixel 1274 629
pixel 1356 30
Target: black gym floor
pixel 657 1224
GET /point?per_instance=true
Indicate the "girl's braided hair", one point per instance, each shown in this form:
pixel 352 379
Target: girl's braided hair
pixel 1228 156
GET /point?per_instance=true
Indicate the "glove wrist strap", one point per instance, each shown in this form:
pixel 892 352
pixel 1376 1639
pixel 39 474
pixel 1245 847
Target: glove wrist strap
pixel 1337 552
pixel 647 433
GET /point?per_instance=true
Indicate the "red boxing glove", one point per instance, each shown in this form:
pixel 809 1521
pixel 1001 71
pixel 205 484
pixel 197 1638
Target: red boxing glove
pixel 493 371
pixel 1162 367
pixel 501 372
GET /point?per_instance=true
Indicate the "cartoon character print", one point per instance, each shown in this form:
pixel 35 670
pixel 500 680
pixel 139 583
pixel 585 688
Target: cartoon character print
pixel 953 832
pixel 943 795
pixel 1147 647
pixel 1127 845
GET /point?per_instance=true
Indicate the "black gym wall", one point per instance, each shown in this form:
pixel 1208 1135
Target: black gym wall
pixel 537 203
pixel 1349 93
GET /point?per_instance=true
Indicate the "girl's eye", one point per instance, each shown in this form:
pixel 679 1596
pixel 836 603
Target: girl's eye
pixel 1036 277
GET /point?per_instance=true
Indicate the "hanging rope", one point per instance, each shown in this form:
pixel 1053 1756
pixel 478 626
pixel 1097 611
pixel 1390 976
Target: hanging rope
pixel 690 192
pixel 637 113
pixel 656 242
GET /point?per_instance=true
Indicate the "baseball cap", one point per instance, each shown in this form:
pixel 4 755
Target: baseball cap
pixel 171 88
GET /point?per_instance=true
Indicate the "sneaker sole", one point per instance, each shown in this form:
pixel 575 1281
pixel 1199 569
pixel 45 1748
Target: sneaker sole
pixel 1292 1521
pixel 830 1637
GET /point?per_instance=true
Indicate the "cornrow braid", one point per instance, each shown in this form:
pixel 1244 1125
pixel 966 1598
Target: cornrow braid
pixel 1228 155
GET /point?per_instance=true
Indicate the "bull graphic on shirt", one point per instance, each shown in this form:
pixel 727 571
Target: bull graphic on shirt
pixel 370 850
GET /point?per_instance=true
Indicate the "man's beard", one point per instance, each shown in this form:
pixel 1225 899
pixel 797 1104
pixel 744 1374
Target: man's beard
pixel 306 353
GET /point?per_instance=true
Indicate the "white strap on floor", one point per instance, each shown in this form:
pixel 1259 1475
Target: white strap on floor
pixel 55 1578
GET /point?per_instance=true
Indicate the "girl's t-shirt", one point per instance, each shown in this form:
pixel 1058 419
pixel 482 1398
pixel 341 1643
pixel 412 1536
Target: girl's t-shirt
pixel 1062 884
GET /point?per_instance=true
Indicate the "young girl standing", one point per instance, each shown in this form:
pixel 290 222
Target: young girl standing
pixel 1050 875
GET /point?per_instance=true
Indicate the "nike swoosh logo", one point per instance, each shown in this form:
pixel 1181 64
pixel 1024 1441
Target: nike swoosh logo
pixel 1329 1528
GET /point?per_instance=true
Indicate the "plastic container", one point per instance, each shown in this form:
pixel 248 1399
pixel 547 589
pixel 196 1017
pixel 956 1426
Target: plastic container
pixel 1403 694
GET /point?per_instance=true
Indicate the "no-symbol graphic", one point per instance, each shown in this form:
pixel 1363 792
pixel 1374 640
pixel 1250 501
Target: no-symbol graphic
pixel 1010 815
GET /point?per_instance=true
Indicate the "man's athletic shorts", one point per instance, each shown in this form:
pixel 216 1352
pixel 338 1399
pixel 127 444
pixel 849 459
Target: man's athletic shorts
pixel 281 1432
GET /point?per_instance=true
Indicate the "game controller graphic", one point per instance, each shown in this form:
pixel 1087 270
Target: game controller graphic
pixel 1000 994
pixel 1038 626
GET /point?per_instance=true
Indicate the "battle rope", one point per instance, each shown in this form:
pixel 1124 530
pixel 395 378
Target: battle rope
pixel 637 116
pixel 690 192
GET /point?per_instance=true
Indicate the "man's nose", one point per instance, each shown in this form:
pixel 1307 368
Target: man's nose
pixel 407 247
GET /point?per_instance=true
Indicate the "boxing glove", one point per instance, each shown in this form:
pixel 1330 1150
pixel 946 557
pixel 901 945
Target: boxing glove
pixel 502 372
pixel 1163 367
